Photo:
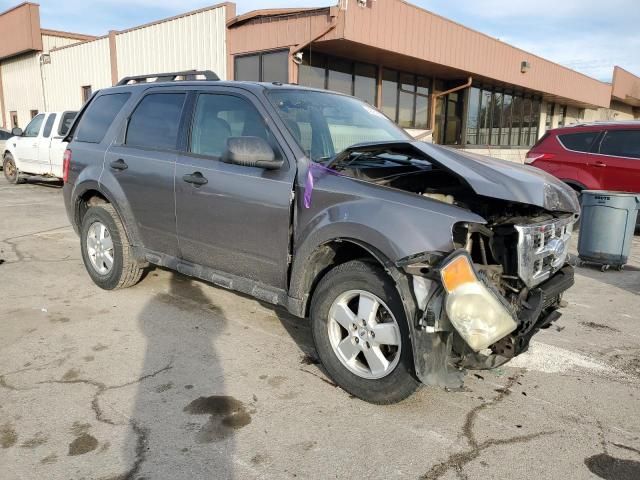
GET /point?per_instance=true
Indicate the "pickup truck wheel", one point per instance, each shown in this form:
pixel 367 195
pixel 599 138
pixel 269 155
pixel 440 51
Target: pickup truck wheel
pixel 361 333
pixel 10 170
pixel 106 251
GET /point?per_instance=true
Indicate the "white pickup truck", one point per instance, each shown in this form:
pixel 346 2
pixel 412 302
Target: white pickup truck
pixel 39 149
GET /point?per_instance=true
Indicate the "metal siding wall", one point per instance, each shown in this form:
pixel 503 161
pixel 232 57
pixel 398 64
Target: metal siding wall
pixel 73 67
pixel 22 87
pixel 50 42
pixel 193 42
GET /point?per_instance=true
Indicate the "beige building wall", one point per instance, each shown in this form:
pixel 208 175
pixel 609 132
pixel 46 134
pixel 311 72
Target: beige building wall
pixel 194 41
pixel 49 42
pixel 22 87
pixel 71 68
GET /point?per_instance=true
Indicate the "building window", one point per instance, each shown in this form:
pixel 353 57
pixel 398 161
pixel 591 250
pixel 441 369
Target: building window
pixel 405 98
pixel 263 67
pixel 548 123
pixel 86 93
pixel 34 113
pixel 14 119
pixel 563 116
pixel 339 75
pixel 501 118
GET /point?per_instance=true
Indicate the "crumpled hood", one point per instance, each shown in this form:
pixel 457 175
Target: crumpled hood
pixel 509 181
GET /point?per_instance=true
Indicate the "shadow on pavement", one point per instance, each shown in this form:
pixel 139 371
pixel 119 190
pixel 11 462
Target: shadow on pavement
pixel 181 411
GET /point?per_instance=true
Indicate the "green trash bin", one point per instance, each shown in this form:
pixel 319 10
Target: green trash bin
pixel 607 224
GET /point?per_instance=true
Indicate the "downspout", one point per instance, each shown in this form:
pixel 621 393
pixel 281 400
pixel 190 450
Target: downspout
pixel 435 96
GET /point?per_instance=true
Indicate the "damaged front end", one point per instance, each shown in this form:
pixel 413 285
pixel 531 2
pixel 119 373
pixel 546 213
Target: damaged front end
pixel 480 306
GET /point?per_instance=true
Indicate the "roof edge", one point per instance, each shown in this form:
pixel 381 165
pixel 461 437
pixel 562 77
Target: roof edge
pixel 63 34
pixel 272 12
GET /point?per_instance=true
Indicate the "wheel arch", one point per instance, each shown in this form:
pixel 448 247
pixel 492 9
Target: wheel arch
pixel 312 265
pixel 91 193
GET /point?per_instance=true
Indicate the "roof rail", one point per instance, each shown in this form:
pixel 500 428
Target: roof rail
pixel 169 77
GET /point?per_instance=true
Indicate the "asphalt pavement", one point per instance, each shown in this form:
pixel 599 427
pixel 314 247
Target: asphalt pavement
pixel 178 379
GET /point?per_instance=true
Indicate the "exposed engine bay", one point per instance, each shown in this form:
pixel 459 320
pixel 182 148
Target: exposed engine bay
pixel 520 254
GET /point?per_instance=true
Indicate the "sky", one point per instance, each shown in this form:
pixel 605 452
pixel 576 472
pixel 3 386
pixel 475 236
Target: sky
pixel 589 36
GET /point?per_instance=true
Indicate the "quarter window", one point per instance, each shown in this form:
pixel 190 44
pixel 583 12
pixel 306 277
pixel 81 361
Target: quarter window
pixel 98 117
pixel 155 121
pixel 580 142
pixel 33 128
pixel 48 126
pixel 220 117
pixel 621 143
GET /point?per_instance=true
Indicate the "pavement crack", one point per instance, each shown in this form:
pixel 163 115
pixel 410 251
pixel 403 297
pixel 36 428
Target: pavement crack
pixel 142 434
pixel 457 461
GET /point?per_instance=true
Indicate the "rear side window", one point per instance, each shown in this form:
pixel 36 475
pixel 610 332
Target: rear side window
pixel 98 117
pixel 155 121
pixel 34 126
pixel 621 143
pixel 580 142
pixel 65 122
pixel 48 126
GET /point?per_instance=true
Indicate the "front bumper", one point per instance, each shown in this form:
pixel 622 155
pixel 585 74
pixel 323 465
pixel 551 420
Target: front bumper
pixel 441 355
pixel 540 310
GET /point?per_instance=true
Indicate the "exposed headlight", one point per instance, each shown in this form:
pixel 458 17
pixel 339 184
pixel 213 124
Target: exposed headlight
pixel 473 309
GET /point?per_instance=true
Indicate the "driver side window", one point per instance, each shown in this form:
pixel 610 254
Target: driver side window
pixel 34 126
pixel 220 117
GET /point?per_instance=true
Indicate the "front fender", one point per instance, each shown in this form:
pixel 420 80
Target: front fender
pixel 398 230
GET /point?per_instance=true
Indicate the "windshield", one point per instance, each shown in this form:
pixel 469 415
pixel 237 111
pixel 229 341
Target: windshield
pixel 324 124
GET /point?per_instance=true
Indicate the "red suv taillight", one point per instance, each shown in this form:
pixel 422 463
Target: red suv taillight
pixel 66 165
pixel 532 157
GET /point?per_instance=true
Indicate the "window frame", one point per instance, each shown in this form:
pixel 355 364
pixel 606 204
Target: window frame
pixel 146 94
pixel 593 148
pixel 24 132
pixel 62 134
pixel 48 124
pixel 260 55
pixel 73 131
pixel 517 115
pixel 604 135
pixel 189 117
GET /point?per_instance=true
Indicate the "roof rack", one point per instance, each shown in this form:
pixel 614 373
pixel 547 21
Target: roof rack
pixel 169 77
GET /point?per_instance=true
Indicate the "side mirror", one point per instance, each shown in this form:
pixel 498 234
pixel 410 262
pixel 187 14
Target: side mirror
pixel 16 132
pixel 251 152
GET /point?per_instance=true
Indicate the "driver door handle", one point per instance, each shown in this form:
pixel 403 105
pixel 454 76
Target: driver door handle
pixel 598 163
pixel 195 178
pixel 119 164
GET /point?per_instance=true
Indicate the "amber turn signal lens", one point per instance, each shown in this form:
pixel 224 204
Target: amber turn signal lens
pixel 456 273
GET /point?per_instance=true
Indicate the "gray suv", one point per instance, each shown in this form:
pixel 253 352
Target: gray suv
pixel 412 261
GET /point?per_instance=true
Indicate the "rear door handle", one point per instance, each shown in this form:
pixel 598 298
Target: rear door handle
pixel 598 163
pixel 119 164
pixel 196 178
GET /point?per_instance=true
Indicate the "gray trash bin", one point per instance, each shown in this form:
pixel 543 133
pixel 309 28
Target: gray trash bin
pixel 606 227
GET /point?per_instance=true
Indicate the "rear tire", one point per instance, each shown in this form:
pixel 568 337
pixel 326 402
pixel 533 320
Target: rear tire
pixel 106 252
pixel 381 372
pixel 10 169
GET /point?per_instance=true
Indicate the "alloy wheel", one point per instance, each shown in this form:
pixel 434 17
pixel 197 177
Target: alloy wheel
pixel 364 334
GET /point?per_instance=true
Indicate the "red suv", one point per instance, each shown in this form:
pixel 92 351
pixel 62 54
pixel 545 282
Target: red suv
pixel 594 156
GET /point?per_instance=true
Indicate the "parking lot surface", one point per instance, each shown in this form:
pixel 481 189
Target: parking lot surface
pixel 177 379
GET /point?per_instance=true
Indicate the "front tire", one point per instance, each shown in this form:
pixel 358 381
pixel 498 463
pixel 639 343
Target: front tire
pixel 10 169
pixel 106 251
pixel 361 333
